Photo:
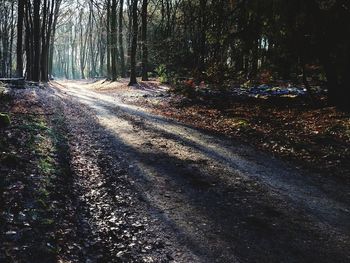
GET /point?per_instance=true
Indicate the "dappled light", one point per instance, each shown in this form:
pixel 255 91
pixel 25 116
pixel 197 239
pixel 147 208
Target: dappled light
pixel 174 131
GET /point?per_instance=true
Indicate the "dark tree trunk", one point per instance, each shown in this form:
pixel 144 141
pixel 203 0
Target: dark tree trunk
pixel 29 41
pixel 114 39
pixel 20 19
pixel 52 38
pixel 108 26
pixel 121 46
pixel 133 79
pixel 36 35
pixel 129 35
pixel 144 41
pixel 43 71
pixel 12 30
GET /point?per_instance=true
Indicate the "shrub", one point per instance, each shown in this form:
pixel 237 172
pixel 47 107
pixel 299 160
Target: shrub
pixel 162 73
pixel 187 88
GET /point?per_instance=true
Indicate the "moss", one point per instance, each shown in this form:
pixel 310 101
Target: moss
pixel 34 127
pixel 242 123
pixel 47 221
pixel 46 165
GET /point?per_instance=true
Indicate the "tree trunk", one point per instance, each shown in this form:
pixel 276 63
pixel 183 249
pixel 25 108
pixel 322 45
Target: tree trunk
pixel 108 27
pixel 121 46
pixel 114 39
pixel 52 38
pixel 20 19
pixel 133 79
pixel 36 35
pixel 28 42
pixel 43 55
pixel 144 41
pixel 129 35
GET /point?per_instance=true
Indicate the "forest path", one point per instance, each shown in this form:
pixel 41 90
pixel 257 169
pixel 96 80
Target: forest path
pixel 222 200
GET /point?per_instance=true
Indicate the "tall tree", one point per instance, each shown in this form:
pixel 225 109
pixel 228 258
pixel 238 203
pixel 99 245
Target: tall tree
pixel 108 32
pixel 114 50
pixel 36 40
pixel 6 36
pixel 83 43
pixel 121 45
pixel 20 20
pixel 52 36
pixel 43 55
pixel 144 44
pixel 133 79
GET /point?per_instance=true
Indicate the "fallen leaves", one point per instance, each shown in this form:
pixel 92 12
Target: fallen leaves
pixel 318 138
pixel 54 207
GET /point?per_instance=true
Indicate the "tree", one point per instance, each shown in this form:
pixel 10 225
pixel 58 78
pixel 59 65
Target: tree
pixel 20 19
pixel 144 47
pixel 7 28
pixel 114 49
pixel 133 79
pixel 36 41
pixel 121 46
pixel 215 41
pixel 108 32
pixel 83 44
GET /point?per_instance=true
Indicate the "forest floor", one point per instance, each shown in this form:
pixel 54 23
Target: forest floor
pixel 315 137
pixel 99 172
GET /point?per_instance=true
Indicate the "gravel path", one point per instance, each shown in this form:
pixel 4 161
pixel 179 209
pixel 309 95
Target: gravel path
pixel 150 189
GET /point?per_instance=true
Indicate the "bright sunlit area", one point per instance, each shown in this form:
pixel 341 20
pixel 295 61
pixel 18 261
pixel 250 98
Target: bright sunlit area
pixel 174 131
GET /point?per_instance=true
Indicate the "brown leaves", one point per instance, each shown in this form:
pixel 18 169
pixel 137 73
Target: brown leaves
pixel 320 138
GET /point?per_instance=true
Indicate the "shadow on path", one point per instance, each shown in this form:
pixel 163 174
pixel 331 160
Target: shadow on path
pixel 222 200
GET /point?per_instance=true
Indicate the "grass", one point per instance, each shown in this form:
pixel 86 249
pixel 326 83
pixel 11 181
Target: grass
pixel 46 165
pixel 28 150
pixel 33 125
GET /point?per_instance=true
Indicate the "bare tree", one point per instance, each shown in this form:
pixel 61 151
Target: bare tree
pixel 144 47
pixel 36 41
pixel 20 19
pixel 121 45
pixel 114 49
pixel 133 79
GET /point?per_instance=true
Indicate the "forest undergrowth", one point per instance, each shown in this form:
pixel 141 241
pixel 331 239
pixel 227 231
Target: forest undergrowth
pixel 32 176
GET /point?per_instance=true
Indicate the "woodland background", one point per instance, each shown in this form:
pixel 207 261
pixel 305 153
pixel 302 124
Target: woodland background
pixel 212 41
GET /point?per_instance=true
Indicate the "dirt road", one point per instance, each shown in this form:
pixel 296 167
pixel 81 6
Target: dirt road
pixel 213 199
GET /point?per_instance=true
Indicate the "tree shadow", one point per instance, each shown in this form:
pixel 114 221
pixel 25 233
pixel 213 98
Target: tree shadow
pixel 250 222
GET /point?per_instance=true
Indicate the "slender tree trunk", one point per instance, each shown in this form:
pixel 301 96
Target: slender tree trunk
pixel 114 39
pixel 73 48
pixel 83 41
pixel 12 30
pixel 36 34
pixel 144 41
pixel 19 66
pixel 92 67
pixel 43 68
pixel 108 26
pixel 129 35
pixel 133 79
pixel 28 41
pixel 121 46
pixel 102 49
pixel 52 37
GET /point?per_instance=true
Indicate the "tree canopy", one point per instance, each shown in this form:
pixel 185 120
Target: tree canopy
pixel 203 39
